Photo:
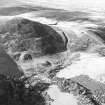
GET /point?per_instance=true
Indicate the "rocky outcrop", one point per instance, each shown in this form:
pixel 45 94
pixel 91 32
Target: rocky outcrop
pixel 97 88
pixel 21 34
pixel 7 66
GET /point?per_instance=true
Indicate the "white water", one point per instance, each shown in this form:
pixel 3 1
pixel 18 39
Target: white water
pixel 61 98
pixel 89 64
pixel 69 4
